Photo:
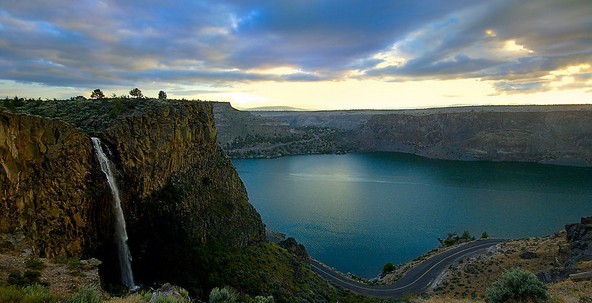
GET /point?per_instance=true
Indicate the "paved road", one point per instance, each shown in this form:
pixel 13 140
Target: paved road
pixel 415 281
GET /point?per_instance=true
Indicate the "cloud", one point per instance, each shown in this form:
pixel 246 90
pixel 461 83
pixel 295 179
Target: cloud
pixel 507 41
pixel 94 43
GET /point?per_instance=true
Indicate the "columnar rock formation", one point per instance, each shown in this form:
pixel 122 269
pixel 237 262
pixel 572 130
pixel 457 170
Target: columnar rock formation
pixel 181 191
pixel 49 185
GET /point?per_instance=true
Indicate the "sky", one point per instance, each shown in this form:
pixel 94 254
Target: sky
pixel 325 54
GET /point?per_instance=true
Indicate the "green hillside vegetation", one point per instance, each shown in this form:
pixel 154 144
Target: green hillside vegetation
pixel 89 115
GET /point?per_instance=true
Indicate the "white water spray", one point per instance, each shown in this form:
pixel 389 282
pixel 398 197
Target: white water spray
pixel 125 257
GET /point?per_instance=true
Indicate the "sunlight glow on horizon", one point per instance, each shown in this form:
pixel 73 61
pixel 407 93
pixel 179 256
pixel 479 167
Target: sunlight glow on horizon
pixel 303 54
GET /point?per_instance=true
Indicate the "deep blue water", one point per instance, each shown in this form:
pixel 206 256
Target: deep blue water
pixel 356 212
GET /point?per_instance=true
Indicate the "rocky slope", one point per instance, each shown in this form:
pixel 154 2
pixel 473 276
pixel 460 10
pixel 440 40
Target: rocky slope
pixel 250 135
pixel 552 258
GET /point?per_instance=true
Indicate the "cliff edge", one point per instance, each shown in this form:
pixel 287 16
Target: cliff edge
pixel 180 193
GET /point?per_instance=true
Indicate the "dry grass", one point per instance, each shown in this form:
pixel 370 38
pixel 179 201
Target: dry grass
pixel 562 292
pixel 470 278
pixel 571 292
pixel 443 299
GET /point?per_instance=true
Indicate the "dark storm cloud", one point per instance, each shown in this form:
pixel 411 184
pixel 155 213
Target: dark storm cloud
pixel 90 43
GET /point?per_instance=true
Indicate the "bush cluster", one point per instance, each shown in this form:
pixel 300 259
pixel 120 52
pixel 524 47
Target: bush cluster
pixel 453 239
pixel 518 286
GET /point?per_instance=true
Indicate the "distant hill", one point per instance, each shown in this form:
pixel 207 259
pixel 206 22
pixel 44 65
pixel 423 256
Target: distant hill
pixel 275 108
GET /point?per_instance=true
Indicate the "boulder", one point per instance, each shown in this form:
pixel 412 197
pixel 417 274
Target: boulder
pixel 528 255
pixel 556 274
pixel 579 236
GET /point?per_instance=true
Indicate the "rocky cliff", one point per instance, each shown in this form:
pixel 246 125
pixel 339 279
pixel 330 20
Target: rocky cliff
pixel 557 134
pixel 51 187
pixel 548 137
pixel 180 192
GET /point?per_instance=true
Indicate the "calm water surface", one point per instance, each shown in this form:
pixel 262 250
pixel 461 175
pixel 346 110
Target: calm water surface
pixel 356 212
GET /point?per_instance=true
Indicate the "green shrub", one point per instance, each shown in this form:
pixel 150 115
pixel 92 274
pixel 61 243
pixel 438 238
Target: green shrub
pixel 261 299
pixel 223 295
pixel 86 295
pixel 34 263
pixel 11 294
pixel 165 299
pixel 37 293
pixel 30 277
pixel 518 286
pixel 388 267
pixel 453 239
pixel 407 298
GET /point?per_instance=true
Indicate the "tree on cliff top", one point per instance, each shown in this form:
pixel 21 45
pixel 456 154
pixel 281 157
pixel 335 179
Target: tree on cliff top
pixel 97 94
pixel 136 92
pixel 162 95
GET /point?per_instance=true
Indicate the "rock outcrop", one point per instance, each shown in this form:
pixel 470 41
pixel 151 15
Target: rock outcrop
pixel 180 192
pixel 579 236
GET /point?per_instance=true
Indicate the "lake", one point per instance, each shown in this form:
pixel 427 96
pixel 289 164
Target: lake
pixel 356 212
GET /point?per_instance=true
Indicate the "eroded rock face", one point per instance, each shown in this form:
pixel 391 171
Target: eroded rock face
pixel 179 191
pixel 49 185
pixel 547 137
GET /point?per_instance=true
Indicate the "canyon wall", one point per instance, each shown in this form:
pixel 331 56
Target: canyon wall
pixel 180 192
pixel 555 134
pixel 558 137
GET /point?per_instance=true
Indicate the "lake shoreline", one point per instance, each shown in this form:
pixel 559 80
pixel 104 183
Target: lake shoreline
pixel 353 211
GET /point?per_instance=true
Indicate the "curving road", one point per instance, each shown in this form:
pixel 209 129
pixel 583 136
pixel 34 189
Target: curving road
pixel 415 281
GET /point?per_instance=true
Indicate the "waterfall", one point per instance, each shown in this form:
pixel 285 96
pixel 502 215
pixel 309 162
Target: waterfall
pixel 125 257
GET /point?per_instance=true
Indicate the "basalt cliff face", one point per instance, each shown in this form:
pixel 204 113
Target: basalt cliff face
pixel 548 137
pixel 50 186
pixel 553 134
pixel 180 193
